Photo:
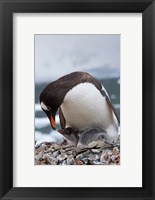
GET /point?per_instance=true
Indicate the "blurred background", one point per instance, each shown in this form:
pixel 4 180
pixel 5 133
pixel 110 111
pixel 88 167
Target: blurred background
pixel 58 55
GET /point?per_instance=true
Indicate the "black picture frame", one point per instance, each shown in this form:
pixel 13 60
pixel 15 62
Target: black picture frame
pixel 7 8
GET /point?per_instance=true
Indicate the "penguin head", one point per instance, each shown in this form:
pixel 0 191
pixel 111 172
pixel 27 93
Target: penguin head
pixel 50 101
pixel 50 113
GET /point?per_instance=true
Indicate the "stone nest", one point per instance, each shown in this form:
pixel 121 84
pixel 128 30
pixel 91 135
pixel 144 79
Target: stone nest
pixel 96 153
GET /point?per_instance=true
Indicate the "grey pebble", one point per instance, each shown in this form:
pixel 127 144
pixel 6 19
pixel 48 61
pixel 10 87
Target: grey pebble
pixel 63 162
pixel 70 160
pixel 62 157
pixel 62 150
pixel 105 158
pixel 83 155
pixel 55 153
pixel 113 158
pixel 85 160
pixel 55 146
pixel 95 150
pixel 50 150
pixel 93 144
pixel 40 148
pixel 39 155
pixel 51 160
pixel 94 162
pixel 71 153
pixel 93 156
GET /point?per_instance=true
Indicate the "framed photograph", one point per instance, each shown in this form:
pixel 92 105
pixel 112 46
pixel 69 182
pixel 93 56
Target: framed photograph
pixel 77 99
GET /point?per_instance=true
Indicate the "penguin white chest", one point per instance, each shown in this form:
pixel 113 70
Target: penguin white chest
pixel 85 107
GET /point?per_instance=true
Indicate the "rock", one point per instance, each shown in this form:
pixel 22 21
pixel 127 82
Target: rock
pixel 83 155
pixel 117 160
pixel 62 157
pixel 94 162
pixel 93 157
pixel 63 162
pixel 93 144
pixel 115 151
pixel 51 160
pixel 70 149
pixel 40 148
pixel 100 144
pixel 95 150
pixel 69 153
pixel 55 146
pixel 55 153
pixel 105 158
pixel 62 151
pixel 70 160
pixel 113 157
pixel 78 162
pixel 85 160
pixel 39 156
pixel 82 147
pixel 50 150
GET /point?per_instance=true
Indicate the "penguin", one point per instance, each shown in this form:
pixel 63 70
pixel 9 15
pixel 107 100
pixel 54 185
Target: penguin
pixel 82 102
pixel 71 135
pixel 76 138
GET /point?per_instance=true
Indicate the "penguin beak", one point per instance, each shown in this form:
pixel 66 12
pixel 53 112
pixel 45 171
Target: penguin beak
pixel 53 124
pixel 52 120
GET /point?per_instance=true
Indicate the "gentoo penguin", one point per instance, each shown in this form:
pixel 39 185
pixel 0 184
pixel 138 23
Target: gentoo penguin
pixel 71 135
pixel 84 137
pixel 83 103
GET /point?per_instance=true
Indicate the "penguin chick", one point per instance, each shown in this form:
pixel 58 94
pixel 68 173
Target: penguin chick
pixel 70 135
pixel 76 138
pixel 90 135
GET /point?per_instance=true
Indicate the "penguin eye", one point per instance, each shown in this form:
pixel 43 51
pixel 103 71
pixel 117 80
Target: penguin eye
pixel 44 107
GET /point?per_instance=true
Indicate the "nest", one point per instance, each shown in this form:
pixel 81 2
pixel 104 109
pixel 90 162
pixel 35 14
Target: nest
pixel 96 153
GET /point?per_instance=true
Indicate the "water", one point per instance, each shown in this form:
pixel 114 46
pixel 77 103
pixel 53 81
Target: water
pixel 42 125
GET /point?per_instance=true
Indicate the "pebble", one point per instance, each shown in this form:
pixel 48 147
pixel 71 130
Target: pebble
pixel 85 160
pixel 94 162
pixel 70 160
pixel 69 153
pixel 63 162
pixel 78 162
pixel 39 155
pixel 100 144
pixel 82 155
pixel 50 150
pixel 51 160
pixel 115 151
pixel 93 157
pixel 93 144
pixel 105 158
pixel 95 153
pixel 113 158
pixel 117 160
pixel 62 157
pixel 55 146
pixel 41 148
pixel 95 150
pixel 55 153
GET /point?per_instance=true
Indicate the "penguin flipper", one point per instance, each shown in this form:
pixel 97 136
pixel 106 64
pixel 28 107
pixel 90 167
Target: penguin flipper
pixel 62 119
pixel 104 93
